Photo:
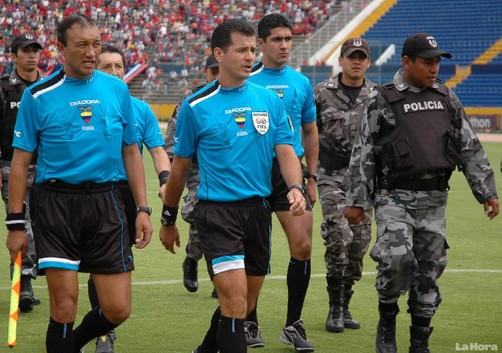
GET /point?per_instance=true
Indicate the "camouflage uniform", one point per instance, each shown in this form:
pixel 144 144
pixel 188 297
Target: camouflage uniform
pixel 338 118
pixel 193 248
pixel 411 240
pixel 29 261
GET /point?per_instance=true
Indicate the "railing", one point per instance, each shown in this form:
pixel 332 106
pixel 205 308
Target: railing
pixel 303 52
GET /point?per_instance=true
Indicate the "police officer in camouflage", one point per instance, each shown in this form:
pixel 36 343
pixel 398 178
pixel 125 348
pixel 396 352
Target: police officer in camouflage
pixel 193 248
pixel 413 135
pixel 25 53
pixel 340 105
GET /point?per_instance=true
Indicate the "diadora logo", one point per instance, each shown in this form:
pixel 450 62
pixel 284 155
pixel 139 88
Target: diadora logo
pixel 84 102
pixel 237 110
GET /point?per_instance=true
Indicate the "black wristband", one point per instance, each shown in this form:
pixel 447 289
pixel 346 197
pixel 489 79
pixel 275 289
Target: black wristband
pixel 169 215
pixel 299 187
pixel 163 177
pixel 15 221
pixel 312 176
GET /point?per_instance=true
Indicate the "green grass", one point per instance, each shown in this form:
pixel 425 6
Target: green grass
pixel 166 318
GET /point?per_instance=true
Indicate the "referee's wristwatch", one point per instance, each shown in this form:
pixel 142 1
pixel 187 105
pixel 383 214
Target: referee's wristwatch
pixel 146 209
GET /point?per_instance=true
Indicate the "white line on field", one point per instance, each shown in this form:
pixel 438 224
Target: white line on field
pixel 268 278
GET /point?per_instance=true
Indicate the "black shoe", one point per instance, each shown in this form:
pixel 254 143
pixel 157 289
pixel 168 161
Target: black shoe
pixel 190 280
pixel 36 301
pixel 334 321
pixel 348 321
pixel 254 338
pixel 386 336
pixel 104 344
pixel 296 336
pixel 419 339
pixel 26 298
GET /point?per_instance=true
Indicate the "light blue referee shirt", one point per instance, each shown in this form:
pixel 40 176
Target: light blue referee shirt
pixel 77 126
pixel 233 131
pixel 296 93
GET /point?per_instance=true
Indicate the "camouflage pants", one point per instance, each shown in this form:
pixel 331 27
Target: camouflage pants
pixel 29 260
pixel 345 245
pixel 410 250
pixel 193 248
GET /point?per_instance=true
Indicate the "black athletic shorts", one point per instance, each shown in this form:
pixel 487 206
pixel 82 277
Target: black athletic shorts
pixel 84 227
pixel 278 199
pixel 235 235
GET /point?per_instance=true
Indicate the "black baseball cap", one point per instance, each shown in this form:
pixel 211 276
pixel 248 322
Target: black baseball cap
pixel 22 41
pixel 423 45
pixel 211 62
pixel 354 44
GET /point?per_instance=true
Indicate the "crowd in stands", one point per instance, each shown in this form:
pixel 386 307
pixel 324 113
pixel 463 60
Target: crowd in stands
pixel 157 31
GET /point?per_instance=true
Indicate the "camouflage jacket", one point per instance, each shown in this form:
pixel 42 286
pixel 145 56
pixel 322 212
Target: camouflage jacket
pixel 364 166
pixel 193 179
pixel 337 120
pixel 337 116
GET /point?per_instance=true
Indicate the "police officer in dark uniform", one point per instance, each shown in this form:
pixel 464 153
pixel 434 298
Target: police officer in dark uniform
pixel 413 135
pixel 25 53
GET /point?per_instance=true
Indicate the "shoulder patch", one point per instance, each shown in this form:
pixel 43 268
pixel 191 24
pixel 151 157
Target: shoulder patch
pixel 257 67
pixel 45 84
pixel 200 95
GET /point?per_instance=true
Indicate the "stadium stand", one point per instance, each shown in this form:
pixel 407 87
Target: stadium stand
pixel 469 29
pixel 170 37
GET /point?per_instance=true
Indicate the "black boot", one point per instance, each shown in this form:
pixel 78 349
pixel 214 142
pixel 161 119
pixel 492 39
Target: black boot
pixel 419 339
pixel 26 298
pixel 334 321
pixel 348 321
pixel 190 280
pixel 386 329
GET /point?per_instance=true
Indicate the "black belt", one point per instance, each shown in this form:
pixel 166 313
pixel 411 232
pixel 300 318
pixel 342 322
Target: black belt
pixel 438 183
pixel 87 187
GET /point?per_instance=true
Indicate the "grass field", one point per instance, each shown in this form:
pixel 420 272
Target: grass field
pixel 167 319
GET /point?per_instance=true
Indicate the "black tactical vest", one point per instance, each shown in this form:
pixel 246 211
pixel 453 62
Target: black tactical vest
pixel 11 96
pixel 421 140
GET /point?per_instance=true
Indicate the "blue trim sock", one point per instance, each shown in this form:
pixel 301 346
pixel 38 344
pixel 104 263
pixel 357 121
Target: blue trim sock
pixel 298 280
pixel 59 337
pixel 231 338
pixel 93 325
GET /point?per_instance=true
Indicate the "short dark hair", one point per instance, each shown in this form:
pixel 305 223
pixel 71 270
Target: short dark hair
pixel 68 22
pixel 221 35
pixel 271 21
pixel 110 48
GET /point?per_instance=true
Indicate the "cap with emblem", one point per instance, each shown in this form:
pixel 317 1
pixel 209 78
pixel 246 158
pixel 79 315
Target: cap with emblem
pixel 22 41
pixel 354 44
pixel 423 45
pixel 210 62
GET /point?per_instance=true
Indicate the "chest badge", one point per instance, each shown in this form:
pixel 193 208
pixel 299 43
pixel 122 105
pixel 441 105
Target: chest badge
pixel 86 113
pixel 261 122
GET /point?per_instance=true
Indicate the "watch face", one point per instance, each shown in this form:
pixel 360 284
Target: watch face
pixel 146 209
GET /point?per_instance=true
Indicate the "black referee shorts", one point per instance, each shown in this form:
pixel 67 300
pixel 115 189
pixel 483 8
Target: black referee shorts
pixel 278 199
pixel 235 235
pixel 85 227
